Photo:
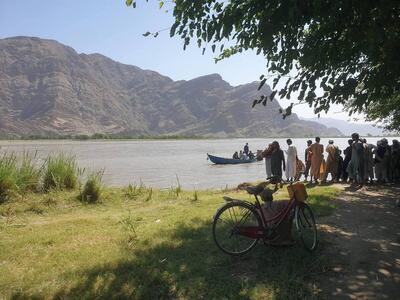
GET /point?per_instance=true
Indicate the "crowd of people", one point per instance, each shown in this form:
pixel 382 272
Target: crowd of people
pixel 245 154
pixel 362 162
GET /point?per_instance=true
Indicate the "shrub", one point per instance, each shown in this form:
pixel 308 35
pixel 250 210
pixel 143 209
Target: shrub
pixel 92 189
pixel 8 175
pixel 60 172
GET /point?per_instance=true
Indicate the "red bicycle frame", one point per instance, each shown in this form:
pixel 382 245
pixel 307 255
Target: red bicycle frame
pixel 260 232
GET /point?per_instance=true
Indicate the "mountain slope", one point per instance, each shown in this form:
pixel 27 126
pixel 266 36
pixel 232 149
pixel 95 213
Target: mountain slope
pixel 47 87
pixel 348 128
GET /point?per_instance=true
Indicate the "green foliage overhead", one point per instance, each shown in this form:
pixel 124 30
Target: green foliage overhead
pixel 350 49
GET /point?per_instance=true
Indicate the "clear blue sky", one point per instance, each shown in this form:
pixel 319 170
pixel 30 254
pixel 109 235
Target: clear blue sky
pixel 112 29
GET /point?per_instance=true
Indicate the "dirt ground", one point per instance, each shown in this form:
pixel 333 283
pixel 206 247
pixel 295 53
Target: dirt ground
pixel 362 237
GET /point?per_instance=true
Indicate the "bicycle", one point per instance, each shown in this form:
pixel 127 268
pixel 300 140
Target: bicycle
pixel 240 224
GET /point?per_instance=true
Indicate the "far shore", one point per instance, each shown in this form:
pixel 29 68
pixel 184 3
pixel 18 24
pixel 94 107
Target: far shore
pixel 150 138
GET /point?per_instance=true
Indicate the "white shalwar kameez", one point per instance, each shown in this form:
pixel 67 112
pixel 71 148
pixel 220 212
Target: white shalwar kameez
pixel 291 162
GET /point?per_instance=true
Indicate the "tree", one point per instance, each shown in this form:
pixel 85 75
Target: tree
pixel 350 49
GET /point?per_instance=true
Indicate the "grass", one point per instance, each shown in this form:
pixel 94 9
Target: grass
pixel 18 174
pixel 136 246
pixel 92 188
pixel 61 172
pixel 8 176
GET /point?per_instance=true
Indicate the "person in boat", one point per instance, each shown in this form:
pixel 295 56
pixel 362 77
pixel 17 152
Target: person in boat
pixel 277 161
pixel 251 155
pixel 332 161
pixel 267 156
pixel 246 149
pixel 307 159
pixel 245 156
pixel 317 151
pixel 291 161
pixel 241 154
pixel 235 155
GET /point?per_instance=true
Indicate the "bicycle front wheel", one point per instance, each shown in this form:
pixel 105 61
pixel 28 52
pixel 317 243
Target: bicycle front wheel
pixel 236 228
pixel 306 227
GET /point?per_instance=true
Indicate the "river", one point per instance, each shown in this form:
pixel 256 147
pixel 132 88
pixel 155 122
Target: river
pixel 158 163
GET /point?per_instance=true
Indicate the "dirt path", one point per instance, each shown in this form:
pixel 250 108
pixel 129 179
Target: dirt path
pixel 364 244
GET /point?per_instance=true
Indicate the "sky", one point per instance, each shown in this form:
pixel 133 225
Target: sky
pixel 111 28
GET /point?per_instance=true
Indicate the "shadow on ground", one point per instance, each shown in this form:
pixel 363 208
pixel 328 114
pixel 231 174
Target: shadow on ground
pixel 189 266
pixel 364 243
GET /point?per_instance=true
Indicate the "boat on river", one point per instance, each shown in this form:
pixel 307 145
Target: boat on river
pixel 229 161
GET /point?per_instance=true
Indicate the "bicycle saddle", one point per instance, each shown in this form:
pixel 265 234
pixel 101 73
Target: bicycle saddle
pixel 254 190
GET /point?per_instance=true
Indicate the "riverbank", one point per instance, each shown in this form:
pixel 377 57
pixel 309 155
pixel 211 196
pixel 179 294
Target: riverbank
pixel 134 161
pixel 104 137
pixel 143 243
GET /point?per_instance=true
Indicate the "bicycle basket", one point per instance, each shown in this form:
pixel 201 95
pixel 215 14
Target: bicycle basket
pixel 298 190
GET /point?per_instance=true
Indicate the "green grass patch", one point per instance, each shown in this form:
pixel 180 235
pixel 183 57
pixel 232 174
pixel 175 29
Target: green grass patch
pixel 142 243
pixel 92 188
pixel 60 172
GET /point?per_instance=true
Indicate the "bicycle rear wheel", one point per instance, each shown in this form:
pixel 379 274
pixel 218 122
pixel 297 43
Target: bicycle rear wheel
pixel 236 228
pixel 306 227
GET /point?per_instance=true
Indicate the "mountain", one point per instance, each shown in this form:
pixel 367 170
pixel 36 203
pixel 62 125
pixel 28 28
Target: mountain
pixel 348 128
pixel 48 88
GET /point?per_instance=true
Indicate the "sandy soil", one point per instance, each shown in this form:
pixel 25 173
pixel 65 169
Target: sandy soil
pixel 363 239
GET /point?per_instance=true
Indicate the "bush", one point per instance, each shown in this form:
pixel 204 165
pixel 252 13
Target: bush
pixel 60 172
pixel 92 189
pixel 8 175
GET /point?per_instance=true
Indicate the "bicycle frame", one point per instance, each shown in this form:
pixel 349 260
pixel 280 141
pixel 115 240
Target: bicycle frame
pixel 257 232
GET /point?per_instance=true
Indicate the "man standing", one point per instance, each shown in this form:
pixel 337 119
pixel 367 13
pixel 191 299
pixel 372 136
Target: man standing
pixel 246 149
pixel 356 165
pixel 277 162
pixel 395 149
pixel 331 161
pixel 307 160
pixel 291 161
pixel 267 156
pixel 317 151
pixel 347 158
pixel 368 161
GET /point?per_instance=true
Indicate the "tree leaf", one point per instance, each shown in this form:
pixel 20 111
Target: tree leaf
pixel 262 83
pixel 272 95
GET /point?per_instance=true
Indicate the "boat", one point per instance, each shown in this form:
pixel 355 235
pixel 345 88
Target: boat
pixel 229 161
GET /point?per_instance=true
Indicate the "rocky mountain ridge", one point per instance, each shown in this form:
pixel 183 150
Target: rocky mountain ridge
pixel 48 88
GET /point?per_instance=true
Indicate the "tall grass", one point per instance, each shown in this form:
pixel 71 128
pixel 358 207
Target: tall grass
pixel 91 192
pixel 18 174
pixel 29 174
pixel 133 191
pixel 60 172
pixel 8 175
